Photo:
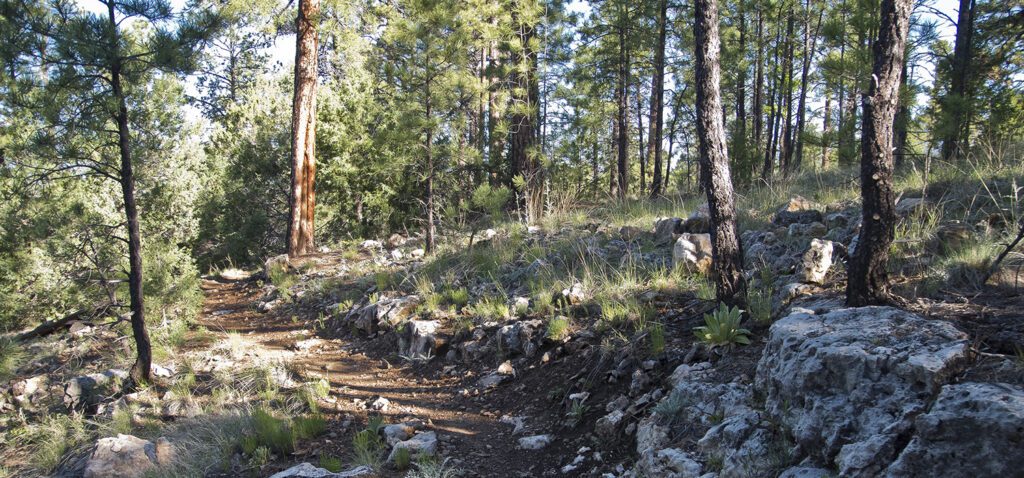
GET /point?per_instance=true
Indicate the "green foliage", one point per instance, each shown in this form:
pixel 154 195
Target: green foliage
pixel 722 327
pixel 367 446
pixel 490 308
pixel 431 467
pixel 657 339
pixel 307 427
pixel 576 412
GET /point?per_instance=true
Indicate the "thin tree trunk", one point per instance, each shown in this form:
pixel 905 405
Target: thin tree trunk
pixel 825 131
pixel 641 145
pixel 726 252
pixel 786 156
pixel 140 372
pixel 774 98
pixel 303 199
pixel 430 226
pixel 759 81
pixel 955 115
pixel 623 112
pixel 810 42
pixel 658 101
pixel 868 275
pixel 740 151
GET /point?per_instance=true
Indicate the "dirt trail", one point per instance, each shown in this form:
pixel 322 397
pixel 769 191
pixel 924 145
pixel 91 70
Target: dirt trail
pixel 468 427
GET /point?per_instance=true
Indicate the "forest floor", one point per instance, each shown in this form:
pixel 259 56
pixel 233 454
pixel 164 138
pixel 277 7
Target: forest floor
pixel 468 421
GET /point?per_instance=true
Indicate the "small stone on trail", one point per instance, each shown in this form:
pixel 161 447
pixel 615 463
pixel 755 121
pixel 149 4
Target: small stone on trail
pixel 535 442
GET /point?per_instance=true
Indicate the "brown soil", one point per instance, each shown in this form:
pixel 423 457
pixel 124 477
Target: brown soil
pixel 443 396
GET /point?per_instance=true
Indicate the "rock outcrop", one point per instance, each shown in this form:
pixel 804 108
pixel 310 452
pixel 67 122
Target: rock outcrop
pixel 127 456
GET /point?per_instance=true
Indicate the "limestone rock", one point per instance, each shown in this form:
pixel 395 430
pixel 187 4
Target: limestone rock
pixel 88 390
pixel 535 442
pixel 386 313
pixel 693 252
pixel 665 228
pixel 908 206
pixel 418 340
pixel 306 470
pixel 397 432
pixel 816 261
pixel 420 445
pixel 849 382
pixel 972 430
pixel 126 456
pixel 608 425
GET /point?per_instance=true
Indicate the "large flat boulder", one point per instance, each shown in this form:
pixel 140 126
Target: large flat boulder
pixel 973 430
pixel 849 383
pixel 127 456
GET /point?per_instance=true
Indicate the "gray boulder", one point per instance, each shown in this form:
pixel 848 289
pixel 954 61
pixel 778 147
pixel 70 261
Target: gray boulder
pixel 418 339
pixel 386 313
pixel 306 470
pixel 665 228
pixel 849 383
pixel 420 445
pixel 815 263
pixel 126 456
pixel 973 430
pixel 89 390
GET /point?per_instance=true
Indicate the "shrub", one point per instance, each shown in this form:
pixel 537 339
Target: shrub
pixel 723 327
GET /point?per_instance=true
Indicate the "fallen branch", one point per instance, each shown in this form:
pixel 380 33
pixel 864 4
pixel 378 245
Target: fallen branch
pixel 49 327
pixel 1009 247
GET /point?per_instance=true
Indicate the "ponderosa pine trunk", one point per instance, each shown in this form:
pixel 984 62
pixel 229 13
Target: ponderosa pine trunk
pixel 523 155
pixel 786 154
pixel 868 281
pixel 303 195
pixel 954 110
pixel 758 108
pixel 810 43
pixel 622 90
pixel 140 372
pixel 641 145
pixel 657 121
pixel 727 257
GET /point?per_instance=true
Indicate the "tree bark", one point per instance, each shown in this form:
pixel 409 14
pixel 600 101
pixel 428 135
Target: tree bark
pixel 810 43
pixel 759 81
pixel 825 130
pixel 954 111
pixel 658 101
pixel 868 275
pixel 303 196
pixel 523 152
pixel 727 256
pixel 641 145
pixel 622 88
pixel 140 372
pixel 786 155
pixel 428 144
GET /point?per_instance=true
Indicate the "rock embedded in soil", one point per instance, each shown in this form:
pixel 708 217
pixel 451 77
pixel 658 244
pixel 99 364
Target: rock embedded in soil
pixel 420 445
pixel 972 430
pixel 127 456
pixel 535 442
pixel 306 470
pixel 89 390
pixel 848 383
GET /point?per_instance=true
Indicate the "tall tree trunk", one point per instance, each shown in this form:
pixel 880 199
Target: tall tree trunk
pixel 759 80
pixel 810 42
pixel 899 139
pixel 774 98
pixel 727 255
pixel 623 111
pixel 658 101
pixel 786 156
pixel 740 151
pixel 954 110
pixel 140 372
pixel 303 196
pixel 524 157
pixel 430 226
pixel 868 276
pixel 825 130
pixel 641 145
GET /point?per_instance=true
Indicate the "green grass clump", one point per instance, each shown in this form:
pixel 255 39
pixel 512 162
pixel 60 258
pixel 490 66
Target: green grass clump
pixel 656 334
pixel 11 357
pixel 367 448
pixel 403 458
pixel 308 427
pixel 490 308
pixel 430 467
pixel 722 327
pixel 281 277
pixel 55 436
pixel 558 328
pixel 271 432
pixel 330 463
pixel 458 298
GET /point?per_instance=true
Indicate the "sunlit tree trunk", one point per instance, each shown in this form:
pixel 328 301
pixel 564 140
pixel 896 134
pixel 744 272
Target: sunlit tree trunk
pixel 303 196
